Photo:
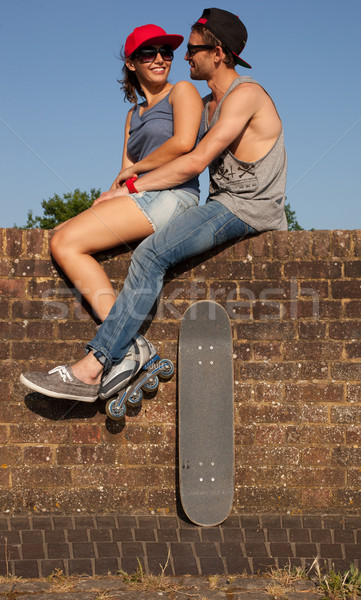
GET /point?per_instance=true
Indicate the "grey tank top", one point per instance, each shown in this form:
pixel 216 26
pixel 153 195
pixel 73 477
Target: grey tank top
pixel 254 192
pixel 150 130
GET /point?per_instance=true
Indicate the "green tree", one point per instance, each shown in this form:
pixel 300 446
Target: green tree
pixel 57 209
pixel 293 224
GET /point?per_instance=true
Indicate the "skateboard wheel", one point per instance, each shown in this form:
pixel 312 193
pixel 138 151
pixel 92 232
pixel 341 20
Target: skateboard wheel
pixel 135 398
pixel 151 385
pixel 167 369
pixel 115 410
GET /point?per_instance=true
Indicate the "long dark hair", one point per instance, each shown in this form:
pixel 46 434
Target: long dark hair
pixel 129 84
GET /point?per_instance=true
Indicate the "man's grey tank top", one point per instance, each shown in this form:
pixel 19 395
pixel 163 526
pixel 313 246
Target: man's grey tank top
pixel 150 130
pixel 254 192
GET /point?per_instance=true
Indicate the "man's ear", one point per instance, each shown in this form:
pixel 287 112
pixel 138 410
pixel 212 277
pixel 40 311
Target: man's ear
pixel 219 55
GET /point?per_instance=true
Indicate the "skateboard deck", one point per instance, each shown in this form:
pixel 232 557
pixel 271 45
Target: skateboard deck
pixel 206 433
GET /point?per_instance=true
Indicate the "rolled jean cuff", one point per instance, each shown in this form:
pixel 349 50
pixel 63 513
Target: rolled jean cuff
pixel 100 354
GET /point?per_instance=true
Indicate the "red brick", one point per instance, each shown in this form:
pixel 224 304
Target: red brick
pixel 354 392
pixel 301 242
pixel 353 434
pixel 40 330
pixel 346 289
pixel 315 457
pixel 341 243
pixel 261 246
pixel 14 242
pixel 270 435
pixel 270 371
pixel 39 477
pixel 281 244
pixel 269 392
pixel 310 350
pixel 352 309
pixel 314 370
pixel 353 269
pixel 35 267
pixel 265 331
pixel 29 309
pixel 316 499
pixel 39 433
pixel 86 434
pixel 85 455
pixel 266 413
pixel 314 392
pixel 314 413
pixel 314 269
pixel 3 434
pixel 353 350
pixel 15 288
pixel 267 351
pixel 37 455
pixel 244 435
pixel 346 371
pixel 321 244
pixel 356 238
pixel 241 249
pixel 346 414
pixel 34 242
pixel 267 270
pixel 345 330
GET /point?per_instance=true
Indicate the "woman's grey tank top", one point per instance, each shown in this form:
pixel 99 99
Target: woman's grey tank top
pixel 254 192
pixel 150 130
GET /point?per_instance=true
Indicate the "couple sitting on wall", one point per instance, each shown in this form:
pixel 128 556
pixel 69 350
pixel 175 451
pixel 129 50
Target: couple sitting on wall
pixel 170 138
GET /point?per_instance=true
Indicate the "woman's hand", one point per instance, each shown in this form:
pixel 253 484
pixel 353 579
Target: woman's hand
pixel 122 177
pixel 113 193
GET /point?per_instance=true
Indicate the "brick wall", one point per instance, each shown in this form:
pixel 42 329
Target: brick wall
pixel 295 303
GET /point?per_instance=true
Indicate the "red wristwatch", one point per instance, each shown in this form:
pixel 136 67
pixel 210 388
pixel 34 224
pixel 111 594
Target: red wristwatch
pixel 130 185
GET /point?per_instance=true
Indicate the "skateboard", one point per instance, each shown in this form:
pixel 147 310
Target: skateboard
pixel 206 433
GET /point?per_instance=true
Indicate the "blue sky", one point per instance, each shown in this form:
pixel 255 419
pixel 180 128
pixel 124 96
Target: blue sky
pixel 62 114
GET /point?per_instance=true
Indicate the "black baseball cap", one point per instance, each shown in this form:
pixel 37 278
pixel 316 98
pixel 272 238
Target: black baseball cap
pixel 228 28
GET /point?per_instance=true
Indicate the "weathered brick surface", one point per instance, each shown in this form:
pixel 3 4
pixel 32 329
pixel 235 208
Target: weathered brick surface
pixel 294 302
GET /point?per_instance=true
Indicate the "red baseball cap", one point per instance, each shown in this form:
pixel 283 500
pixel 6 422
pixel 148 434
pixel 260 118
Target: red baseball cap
pixel 150 34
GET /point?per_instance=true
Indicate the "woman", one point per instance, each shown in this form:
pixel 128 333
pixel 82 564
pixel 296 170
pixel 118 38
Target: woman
pixel 164 126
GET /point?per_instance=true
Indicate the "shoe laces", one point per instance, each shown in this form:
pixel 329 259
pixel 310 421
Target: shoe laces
pixel 63 372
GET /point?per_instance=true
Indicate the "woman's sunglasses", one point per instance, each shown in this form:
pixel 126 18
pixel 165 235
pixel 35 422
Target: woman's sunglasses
pixel 148 54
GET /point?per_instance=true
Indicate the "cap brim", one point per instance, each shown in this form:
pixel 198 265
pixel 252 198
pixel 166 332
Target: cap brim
pixel 241 62
pixel 174 41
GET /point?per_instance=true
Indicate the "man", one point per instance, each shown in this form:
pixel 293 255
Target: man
pixel 244 150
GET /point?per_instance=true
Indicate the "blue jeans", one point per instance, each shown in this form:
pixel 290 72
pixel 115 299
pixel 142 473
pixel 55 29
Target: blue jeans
pixel 195 231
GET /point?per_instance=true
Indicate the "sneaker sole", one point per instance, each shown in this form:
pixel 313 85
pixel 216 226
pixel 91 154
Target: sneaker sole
pixel 51 394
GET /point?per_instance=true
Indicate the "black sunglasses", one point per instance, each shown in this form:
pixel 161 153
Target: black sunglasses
pixel 148 54
pixel 193 48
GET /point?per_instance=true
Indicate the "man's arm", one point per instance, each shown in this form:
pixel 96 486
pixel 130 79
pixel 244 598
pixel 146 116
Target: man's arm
pixel 237 110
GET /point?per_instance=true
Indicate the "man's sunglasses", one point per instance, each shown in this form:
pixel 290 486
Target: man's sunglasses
pixel 193 48
pixel 148 54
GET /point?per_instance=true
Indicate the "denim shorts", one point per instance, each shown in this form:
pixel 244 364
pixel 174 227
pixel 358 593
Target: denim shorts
pixel 161 207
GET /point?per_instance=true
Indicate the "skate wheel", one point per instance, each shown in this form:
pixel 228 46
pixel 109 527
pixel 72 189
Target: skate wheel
pixel 135 398
pixel 167 369
pixel 115 410
pixel 151 385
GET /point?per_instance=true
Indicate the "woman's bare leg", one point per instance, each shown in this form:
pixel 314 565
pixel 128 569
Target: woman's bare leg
pixel 108 224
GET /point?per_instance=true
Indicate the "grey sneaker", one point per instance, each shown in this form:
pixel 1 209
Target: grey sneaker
pixel 60 383
pixel 138 355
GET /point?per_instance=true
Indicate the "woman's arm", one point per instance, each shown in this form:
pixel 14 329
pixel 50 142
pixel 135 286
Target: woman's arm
pixel 187 113
pixel 126 162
